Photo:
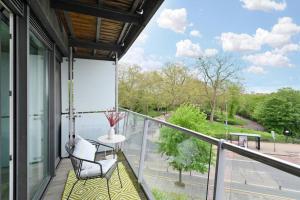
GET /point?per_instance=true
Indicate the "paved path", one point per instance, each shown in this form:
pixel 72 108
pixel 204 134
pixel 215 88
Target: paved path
pixel 285 151
pixel 250 124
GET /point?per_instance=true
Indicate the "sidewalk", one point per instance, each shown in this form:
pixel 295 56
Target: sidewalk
pixel 286 151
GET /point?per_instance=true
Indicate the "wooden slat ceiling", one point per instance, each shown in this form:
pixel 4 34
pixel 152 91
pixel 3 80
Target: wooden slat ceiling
pixel 84 27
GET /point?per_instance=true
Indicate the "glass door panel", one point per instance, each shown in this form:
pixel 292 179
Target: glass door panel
pixel 38 153
pixel 5 106
pixel 57 111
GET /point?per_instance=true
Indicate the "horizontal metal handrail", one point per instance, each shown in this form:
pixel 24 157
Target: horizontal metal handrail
pixel 201 136
pixel 280 164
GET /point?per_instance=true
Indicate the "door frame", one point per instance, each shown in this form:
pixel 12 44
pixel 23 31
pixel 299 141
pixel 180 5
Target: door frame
pixel 11 107
pixel 11 100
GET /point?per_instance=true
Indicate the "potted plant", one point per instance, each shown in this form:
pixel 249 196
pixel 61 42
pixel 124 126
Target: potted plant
pixel 113 118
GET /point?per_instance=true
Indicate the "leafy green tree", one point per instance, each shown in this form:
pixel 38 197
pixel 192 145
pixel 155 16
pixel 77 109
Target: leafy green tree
pixel 234 91
pixel 129 84
pixel 280 111
pixel 249 103
pixel 185 153
pixel 175 76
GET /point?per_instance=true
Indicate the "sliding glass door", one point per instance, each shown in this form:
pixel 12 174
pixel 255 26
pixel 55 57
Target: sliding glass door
pixel 5 105
pixel 38 150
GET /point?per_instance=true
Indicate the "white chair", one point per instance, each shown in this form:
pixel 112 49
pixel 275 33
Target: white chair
pixel 82 155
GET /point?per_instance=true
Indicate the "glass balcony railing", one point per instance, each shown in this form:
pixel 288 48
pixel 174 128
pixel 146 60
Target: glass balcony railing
pixel 210 168
pixel 245 178
pixel 133 128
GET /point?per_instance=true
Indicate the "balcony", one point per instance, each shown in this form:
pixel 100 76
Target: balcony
pixel 59 73
pixel 231 172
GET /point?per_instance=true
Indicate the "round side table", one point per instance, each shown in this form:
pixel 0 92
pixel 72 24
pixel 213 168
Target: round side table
pixel 116 140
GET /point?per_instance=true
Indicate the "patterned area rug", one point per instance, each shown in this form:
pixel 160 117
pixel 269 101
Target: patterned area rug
pixel 96 189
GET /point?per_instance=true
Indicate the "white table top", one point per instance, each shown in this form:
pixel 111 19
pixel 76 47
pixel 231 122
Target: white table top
pixel 245 134
pixel 116 139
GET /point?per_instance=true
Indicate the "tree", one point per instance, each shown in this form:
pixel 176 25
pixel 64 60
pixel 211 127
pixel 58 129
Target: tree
pixel 175 77
pixel 233 93
pixel 129 84
pixel 280 111
pixel 151 94
pixel 248 104
pixel 185 153
pixel 215 71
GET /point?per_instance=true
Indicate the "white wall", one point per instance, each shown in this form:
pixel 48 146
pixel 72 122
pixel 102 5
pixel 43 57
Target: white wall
pixel 94 85
pixel 94 90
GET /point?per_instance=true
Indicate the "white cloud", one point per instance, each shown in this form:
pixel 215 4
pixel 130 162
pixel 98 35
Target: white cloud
pixel 287 49
pixel 239 42
pixel 273 39
pixel 280 35
pixel 137 56
pixel 142 39
pixel 269 59
pixel 210 52
pixel 286 26
pixel 195 33
pixel 256 70
pixel 264 5
pixel 261 90
pixel 176 20
pixel 186 48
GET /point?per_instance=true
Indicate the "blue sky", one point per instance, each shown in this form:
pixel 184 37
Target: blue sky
pixel 263 36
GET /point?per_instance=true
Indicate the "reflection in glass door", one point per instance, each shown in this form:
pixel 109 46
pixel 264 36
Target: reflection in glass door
pixel 5 105
pixel 57 111
pixel 38 153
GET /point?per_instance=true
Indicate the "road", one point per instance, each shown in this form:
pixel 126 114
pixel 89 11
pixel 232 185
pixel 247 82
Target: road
pixel 244 179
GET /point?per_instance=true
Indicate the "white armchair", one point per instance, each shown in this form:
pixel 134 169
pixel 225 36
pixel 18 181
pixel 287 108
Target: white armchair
pixel 83 154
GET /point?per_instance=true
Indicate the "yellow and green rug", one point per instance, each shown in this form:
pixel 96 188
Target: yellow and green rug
pixel 96 189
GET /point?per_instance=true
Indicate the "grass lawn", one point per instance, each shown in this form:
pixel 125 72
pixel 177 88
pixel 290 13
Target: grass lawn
pixel 162 195
pixel 218 130
pixel 231 121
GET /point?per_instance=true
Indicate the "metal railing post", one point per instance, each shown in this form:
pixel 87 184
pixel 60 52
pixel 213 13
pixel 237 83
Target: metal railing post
pixel 219 175
pixel 143 152
pixel 125 123
pixel 71 106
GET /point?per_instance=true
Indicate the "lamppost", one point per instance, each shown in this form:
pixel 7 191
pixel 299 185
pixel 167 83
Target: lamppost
pixel 226 120
pixel 273 136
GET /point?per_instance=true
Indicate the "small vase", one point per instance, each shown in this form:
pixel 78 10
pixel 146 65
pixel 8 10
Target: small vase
pixel 111 133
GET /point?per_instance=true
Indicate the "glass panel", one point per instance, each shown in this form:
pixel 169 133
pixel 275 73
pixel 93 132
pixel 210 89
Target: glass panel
pixel 4 123
pixel 37 115
pixel 194 158
pixel 134 137
pixel 249 179
pixel 64 134
pixel 57 109
pixel 121 125
pixel 94 85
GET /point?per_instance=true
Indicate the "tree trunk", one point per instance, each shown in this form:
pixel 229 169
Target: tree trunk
pixel 212 113
pixel 213 106
pixel 180 183
pixel 180 177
